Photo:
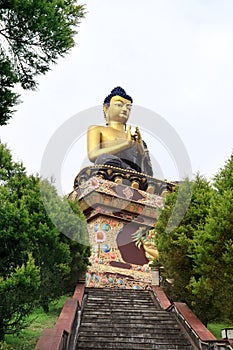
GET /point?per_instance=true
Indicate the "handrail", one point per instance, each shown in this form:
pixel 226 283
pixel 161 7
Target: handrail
pixel 200 335
pixel 207 344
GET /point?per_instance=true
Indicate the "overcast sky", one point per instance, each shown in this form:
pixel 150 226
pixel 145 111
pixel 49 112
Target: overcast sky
pixel 174 57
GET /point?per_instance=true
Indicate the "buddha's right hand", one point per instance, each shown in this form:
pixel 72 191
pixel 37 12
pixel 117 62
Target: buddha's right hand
pixel 129 136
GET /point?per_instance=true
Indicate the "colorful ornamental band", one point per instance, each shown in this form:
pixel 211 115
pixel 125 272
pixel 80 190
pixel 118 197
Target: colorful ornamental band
pixel 120 221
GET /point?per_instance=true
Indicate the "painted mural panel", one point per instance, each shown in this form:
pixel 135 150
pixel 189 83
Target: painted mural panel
pixel 121 221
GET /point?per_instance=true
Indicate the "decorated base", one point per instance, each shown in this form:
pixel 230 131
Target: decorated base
pixel 120 221
pixel 113 264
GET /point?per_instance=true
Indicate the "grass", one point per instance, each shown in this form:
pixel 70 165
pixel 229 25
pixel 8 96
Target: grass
pixel 39 320
pixel 216 328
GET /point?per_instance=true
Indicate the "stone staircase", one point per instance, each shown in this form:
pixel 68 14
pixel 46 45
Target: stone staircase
pixel 128 319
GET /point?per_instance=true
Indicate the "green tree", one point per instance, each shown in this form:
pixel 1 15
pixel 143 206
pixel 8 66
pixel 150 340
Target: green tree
pixel 213 253
pixel 77 236
pixel 175 246
pixel 27 228
pixel 17 293
pixel 57 232
pixel 19 277
pixel 33 34
pixel 223 181
pixel 14 217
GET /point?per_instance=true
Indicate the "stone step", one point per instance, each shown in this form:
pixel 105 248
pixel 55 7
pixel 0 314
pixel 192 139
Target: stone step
pixel 124 322
pixel 134 333
pixel 150 327
pixel 107 310
pixel 120 300
pixel 120 294
pixel 124 318
pixel 136 347
pixel 131 339
pixel 128 320
pixel 122 305
pixel 87 345
pixel 116 290
pixel 130 327
pixel 127 317
pixel 112 305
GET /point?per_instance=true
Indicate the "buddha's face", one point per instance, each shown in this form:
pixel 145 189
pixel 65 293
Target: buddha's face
pixel 118 110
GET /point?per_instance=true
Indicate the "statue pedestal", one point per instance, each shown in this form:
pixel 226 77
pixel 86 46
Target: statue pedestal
pixel 119 220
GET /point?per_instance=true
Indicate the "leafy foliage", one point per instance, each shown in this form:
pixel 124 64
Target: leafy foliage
pixel 8 98
pixel 4 346
pixel 213 254
pixel 34 34
pixel 17 291
pixel 38 262
pixel 176 247
pixel 198 254
pixel 223 181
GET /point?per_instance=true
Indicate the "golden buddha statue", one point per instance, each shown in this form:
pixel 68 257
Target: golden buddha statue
pixel 114 144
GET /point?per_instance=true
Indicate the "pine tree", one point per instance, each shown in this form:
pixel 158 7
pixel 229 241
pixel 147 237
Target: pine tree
pixel 38 262
pixel 212 255
pixel 175 246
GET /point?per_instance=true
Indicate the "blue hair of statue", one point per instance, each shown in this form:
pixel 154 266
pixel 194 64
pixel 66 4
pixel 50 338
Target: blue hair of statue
pixel 117 91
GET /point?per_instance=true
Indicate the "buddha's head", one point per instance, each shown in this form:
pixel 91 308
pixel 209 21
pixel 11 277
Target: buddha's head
pixel 117 106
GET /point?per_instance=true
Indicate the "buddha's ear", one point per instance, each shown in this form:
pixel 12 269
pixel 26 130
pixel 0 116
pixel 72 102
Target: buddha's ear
pixel 105 108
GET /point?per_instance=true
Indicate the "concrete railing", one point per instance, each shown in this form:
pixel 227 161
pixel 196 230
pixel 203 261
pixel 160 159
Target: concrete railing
pixel 201 336
pixel 62 336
